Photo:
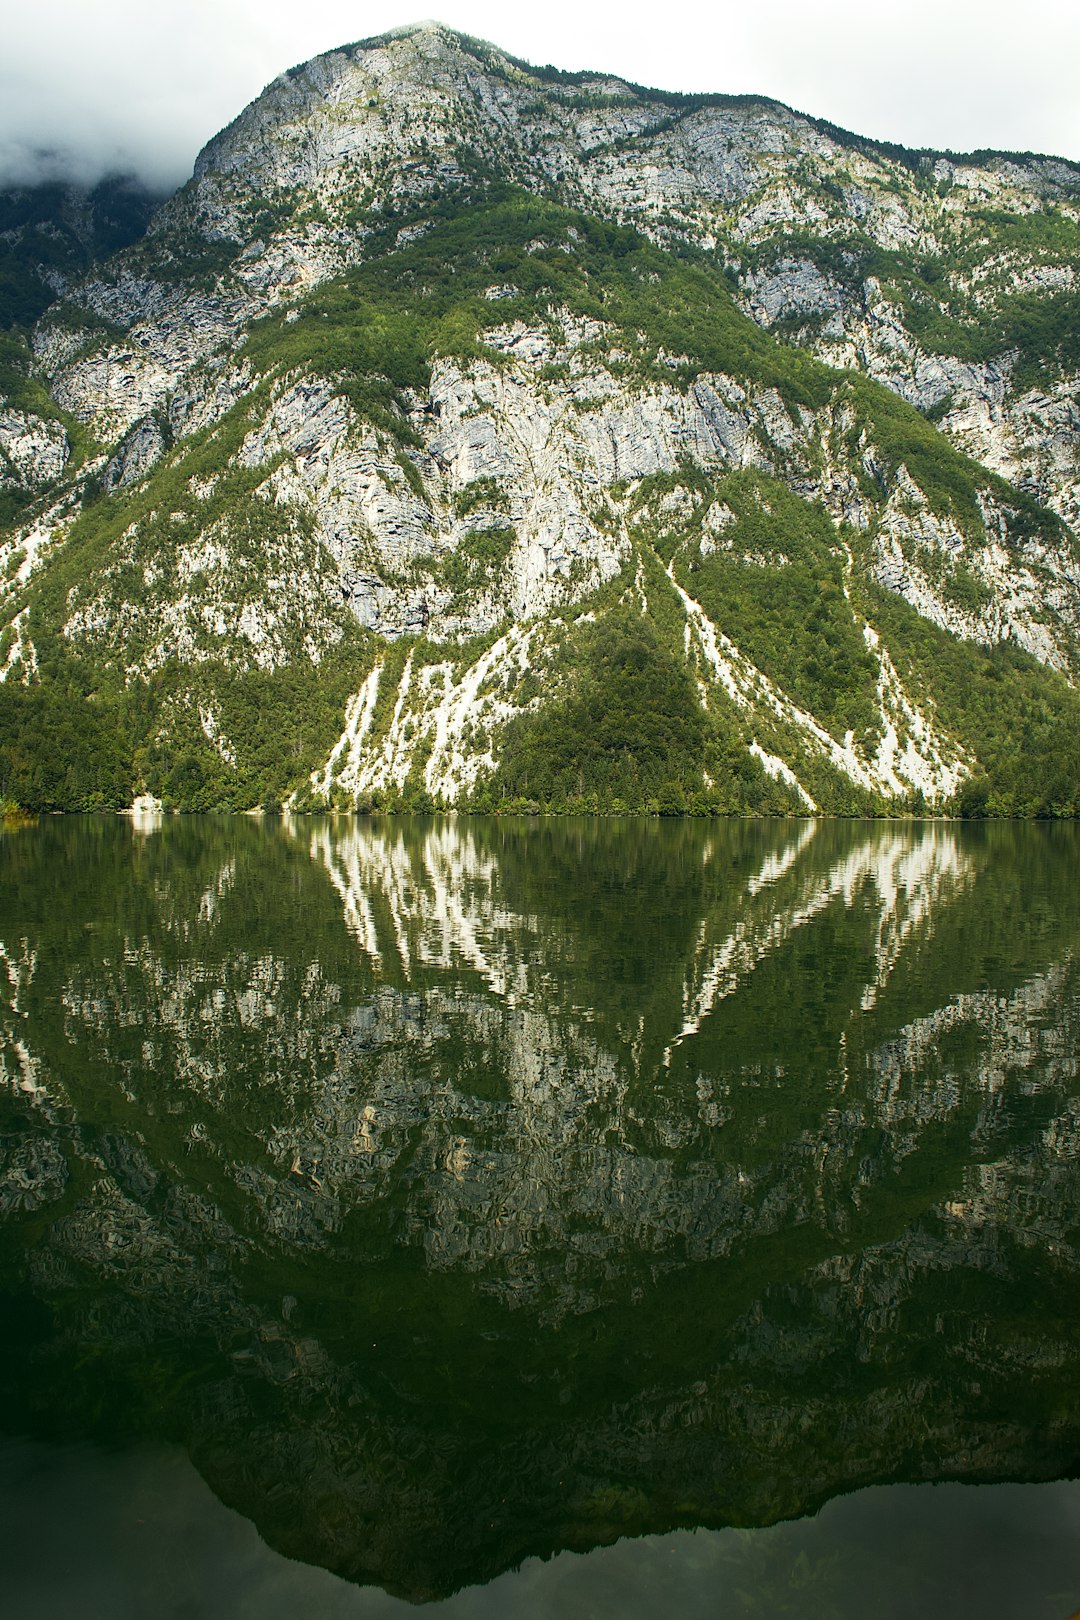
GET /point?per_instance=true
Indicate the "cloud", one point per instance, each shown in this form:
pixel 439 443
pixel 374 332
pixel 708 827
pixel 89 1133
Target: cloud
pixel 87 89
pixel 122 85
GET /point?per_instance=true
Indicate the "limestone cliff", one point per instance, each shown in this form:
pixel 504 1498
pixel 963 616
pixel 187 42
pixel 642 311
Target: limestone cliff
pixel 441 350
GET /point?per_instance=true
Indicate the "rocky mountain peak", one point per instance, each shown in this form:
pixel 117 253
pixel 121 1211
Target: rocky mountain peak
pixel 474 397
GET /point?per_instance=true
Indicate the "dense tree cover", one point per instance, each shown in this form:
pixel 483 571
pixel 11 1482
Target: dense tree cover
pixel 60 750
pixel 775 586
pixel 625 731
pixel 70 743
pixel 630 720
pixel 1019 720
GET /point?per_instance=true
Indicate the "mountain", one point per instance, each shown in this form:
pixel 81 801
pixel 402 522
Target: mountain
pixel 51 234
pixel 470 433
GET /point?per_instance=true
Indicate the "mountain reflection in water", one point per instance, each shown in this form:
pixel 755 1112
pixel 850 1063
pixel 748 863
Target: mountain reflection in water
pixel 456 1191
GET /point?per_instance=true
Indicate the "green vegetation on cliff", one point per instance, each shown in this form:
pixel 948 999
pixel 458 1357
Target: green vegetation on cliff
pixel 114 704
pixel 964 299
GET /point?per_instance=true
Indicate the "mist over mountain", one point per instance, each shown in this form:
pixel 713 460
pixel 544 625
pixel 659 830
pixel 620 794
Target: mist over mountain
pixel 119 87
pixel 467 433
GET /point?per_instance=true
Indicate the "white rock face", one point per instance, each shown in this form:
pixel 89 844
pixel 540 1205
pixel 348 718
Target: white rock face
pixel 554 467
pixel 139 452
pixel 33 450
pixel 795 288
pixel 279 191
pixel 388 120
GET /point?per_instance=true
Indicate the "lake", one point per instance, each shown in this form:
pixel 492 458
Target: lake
pixel 526 1218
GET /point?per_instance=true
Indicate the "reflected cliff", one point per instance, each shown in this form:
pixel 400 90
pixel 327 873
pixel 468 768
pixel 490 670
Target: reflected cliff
pixel 455 1191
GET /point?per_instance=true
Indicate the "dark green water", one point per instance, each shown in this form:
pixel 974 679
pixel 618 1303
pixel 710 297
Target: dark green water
pixel 452 1195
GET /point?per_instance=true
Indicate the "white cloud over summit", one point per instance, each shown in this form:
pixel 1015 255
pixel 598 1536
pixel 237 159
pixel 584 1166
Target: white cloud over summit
pixel 118 84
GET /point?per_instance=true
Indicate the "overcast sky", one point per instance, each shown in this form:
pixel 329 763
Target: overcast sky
pixel 92 85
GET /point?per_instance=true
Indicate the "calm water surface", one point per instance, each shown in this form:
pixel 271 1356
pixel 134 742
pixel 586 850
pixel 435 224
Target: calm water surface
pixel 539 1219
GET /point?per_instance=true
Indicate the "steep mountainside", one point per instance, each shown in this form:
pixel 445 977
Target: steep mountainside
pixel 51 234
pixel 470 433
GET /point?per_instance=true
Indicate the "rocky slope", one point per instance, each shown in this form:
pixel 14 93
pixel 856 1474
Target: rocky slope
pixel 441 362
pixel 51 234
